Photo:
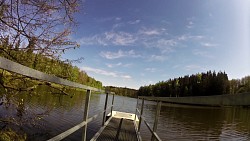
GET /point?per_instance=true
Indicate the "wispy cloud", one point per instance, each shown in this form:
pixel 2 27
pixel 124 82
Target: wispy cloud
pixel 151 69
pixel 194 68
pixel 208 44
pixel 109 38
pixel 117 25
pixel 120 38
pixel 118 18
pixel 106 73
pixel 119 54
pixel 107 19
pixel 202 53
pixel 134 22
pixel 157 58
pixel 165 45
pixel 99 71
pixel 190 22
pixel 126 76
pixel 186 37
pixel 149 32
pixel 118 65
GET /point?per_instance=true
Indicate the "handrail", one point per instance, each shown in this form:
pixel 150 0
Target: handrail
pixel 142 118
pixel 239 99
pixel 151 130
pixel 32 73
pixel 29 72
pixel 76 127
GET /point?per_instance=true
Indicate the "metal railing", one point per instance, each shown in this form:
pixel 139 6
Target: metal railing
pixel 29 72
pixel 142 118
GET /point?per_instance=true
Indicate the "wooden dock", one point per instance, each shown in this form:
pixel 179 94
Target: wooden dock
pixel 119 127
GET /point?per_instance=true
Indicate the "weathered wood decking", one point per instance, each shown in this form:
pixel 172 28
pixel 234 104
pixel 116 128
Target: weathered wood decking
pixel 119 127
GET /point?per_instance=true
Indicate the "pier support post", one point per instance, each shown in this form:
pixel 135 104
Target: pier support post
pixel 141 112
pixel 112 104
pixel 157 114
pixel 105 107
pixel 85 115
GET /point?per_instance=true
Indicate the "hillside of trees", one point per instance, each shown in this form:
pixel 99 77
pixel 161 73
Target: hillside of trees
pixel 63 69
pixel 123 91
pixel 201 84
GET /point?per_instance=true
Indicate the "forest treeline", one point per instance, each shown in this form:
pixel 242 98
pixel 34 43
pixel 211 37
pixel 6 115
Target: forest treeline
pixel 201 84
pixel 29 58
pixel 123 91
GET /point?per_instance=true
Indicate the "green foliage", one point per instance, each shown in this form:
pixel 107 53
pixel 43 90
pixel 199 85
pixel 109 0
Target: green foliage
pixel 240 85
pixel 201 84
pixel 10 135
pixel 123 91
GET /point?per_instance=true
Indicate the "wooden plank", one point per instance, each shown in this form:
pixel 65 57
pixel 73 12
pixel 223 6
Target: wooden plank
pixel 29 72
pixel 100 130
pixel 127 131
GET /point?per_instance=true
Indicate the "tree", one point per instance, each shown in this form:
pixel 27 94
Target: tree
pixel 41 26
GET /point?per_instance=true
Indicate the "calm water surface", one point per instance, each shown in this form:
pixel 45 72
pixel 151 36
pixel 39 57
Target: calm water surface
pixel 45 115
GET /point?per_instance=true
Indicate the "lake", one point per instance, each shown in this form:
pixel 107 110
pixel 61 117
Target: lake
pixel 44 115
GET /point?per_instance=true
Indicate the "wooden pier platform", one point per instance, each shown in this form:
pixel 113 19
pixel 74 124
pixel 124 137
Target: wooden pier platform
pixel 119 127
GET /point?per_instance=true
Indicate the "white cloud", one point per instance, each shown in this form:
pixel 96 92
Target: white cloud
pixel 208 44
pixel 118 18
pixel 165 46
pixel 99 71
pixel 151 69
pixel 157 58
pixel 118 65
pixel 202 53
pixel 119 54
pixel 106 73
pixel 134 22
pixel 186 37
pixel 126 76
pixel 149 32
pixel 93 40
pixel 194 68
pixel 109 38
pixel 190 22
pixel 117 25
pixel 120 38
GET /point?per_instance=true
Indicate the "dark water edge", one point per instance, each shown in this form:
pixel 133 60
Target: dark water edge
pixel 45 115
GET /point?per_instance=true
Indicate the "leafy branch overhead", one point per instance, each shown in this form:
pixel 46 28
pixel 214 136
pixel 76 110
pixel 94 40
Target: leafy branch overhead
pixel 40 26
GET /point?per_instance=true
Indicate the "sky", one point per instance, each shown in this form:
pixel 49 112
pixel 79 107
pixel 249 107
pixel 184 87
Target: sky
pixel 132 43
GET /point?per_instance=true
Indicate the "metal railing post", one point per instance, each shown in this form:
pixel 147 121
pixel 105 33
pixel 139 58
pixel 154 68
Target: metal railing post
pixel 139 126
pixel 85 115
pixel 105 107
pixel 112 104
pixel 136 108
pixel 157 114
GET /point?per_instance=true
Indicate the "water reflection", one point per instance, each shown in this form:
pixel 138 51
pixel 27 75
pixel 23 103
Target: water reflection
pixel 182 123
pixel 44 115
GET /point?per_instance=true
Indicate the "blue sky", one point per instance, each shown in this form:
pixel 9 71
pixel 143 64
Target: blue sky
pixel 131 43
